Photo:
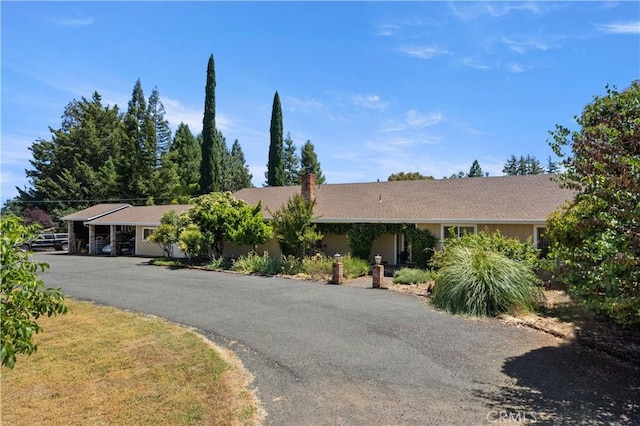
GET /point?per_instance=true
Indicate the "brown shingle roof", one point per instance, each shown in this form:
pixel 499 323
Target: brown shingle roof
pixel 505 199
pixel 94 212
pixel 143 215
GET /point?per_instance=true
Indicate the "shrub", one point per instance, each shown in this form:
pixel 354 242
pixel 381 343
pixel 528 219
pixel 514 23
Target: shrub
pixel 216 263
pixel 355 267
pixel 290 265
pixel 483 282
pixel 252 263
pixel 318 267
pixel 412 276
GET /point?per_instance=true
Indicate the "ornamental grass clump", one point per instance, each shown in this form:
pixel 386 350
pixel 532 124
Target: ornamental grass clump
pixel 355 267
pixel 481 282
pixel 411 276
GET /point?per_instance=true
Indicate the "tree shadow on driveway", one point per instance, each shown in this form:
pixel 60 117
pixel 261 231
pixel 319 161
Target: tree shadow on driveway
pixel 567 384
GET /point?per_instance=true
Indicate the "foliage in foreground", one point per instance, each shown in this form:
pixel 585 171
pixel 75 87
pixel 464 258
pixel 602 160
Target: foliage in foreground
pixel 24 297
pixel 596 238
pixel 482 282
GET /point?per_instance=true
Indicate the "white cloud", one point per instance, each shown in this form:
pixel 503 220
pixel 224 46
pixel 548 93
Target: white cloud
pixel 387 30
pixel 423 52
pixel 414 119
pixel 419 120
pixel 522 46
pixel 474 63
pixel 302 105
pixel 76 22
pixel 369 101
pixel 501 9
pixel 514 67
pixel 620 28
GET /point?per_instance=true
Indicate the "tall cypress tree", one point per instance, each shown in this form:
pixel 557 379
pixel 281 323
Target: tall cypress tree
pixel 275 166
pixel 210 166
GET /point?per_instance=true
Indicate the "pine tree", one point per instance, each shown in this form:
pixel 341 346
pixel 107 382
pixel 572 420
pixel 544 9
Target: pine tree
pixel 552 166
pixel 291 162
pixel 157 112
pixel 534 167
pixel 185 153
pixel 78 163
pixel 237 175
pixel 139 158
pixel 475 170
pixel 211 163
pixel 309 162
pixel 511 166
pixel 275 166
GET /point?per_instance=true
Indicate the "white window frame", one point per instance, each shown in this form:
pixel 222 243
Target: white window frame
pixel 145 237
pixel 443 232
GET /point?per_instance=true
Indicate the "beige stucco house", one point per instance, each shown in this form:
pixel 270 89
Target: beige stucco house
pixel 518 206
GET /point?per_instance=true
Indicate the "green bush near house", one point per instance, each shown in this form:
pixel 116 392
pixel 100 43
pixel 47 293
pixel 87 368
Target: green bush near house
pixel 318 267
pixel 483 282
pixel 512 248
pixel 355 267
pixel 253 263
pixel 412 276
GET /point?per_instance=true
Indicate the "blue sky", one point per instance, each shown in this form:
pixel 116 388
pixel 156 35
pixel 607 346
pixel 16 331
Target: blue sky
pixel 378 87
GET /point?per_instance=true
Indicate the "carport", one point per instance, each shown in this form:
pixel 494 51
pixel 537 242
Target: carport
pixel 82 237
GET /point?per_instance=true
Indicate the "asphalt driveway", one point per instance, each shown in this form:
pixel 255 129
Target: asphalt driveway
pixel 340 355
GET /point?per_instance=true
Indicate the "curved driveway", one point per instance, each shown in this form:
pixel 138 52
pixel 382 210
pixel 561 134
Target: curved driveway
pixel 342 355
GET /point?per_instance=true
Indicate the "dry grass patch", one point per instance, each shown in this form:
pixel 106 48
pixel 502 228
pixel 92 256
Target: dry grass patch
pixel 98 365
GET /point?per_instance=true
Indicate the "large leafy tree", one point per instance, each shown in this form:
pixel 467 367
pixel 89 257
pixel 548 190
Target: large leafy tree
pixel 597 236
pixel 24 296
pixel 78 164
pixel 309 162
pixel 220 218
pixel 294 228
pixel 408 176
pixel 275 166
pixel 291 162
pixel 211 161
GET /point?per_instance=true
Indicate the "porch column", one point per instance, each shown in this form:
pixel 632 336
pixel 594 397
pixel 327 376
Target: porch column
pixel 112 241
pixel 92 239
pixel 72 237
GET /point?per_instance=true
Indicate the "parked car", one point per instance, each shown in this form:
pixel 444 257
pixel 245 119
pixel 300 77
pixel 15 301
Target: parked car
pixel 47 240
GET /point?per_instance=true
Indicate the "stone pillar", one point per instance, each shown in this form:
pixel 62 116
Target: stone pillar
pixel 92 239
pixel 112 240
pixel 337 275
pixel 72 237
pixel 378 276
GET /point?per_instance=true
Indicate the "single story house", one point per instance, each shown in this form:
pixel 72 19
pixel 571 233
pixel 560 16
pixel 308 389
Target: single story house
pixel 518 206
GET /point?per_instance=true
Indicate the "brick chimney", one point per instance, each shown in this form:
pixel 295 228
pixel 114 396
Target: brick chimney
pixel 309 186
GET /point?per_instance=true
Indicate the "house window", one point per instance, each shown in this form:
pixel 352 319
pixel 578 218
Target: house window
pixel 146 233
pixel 457 230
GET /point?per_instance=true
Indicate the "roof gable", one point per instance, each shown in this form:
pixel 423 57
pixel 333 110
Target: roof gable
pixel 94 212
pixel 141 215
